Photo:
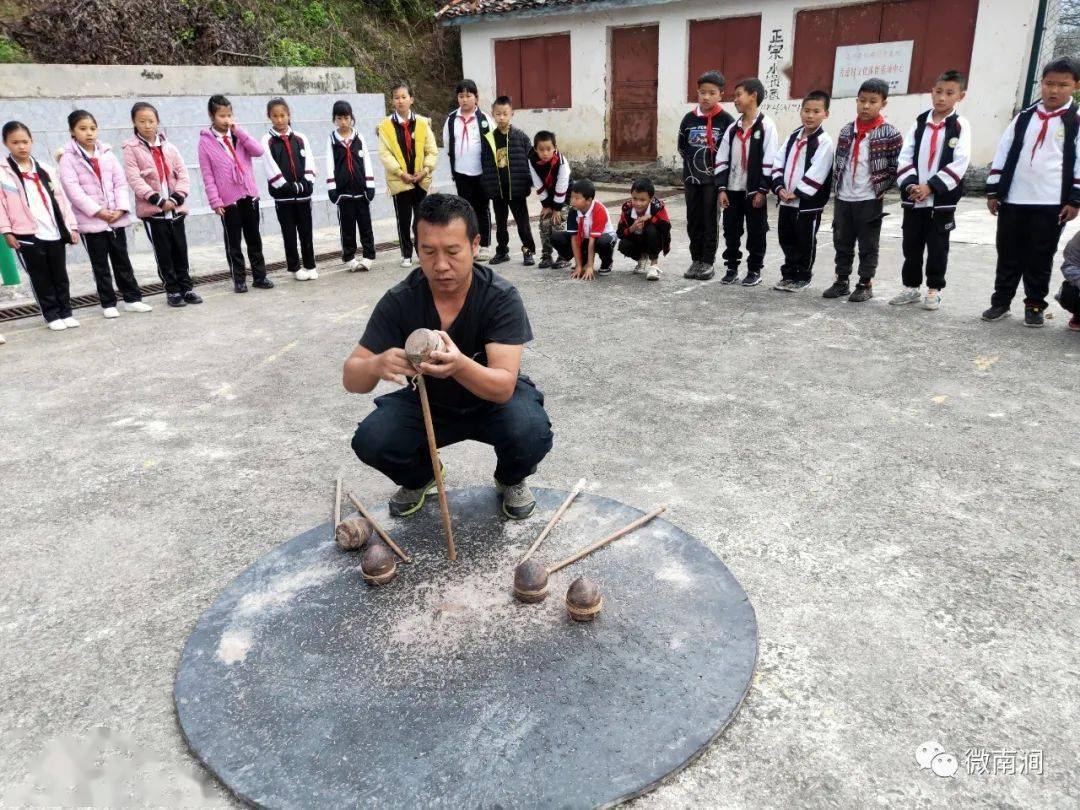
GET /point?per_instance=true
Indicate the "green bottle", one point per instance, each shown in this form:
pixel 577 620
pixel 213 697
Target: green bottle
pixel 9 271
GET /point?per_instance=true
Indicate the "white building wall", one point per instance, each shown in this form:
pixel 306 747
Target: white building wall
pixel 999 60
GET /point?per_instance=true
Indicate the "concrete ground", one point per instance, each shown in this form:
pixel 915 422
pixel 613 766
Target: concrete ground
pixel 894 488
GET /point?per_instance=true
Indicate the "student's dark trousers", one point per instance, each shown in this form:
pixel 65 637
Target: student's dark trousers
pixel 926 231
pixel 646 244
pixel 605 246
pixel 295 220
pixel 407 212
pixel 520 209
pixel 1027 241
pixel 702 225
pixel 354 213
pixel 740 212
pixel 472 189
pixel 797 232
pixel 111 246
pixel 169 240
pixel 242 219
pixel 45 263
pixel 857 223
pixel 393 441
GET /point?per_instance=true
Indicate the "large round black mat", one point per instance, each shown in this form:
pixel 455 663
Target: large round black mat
pixel 301 686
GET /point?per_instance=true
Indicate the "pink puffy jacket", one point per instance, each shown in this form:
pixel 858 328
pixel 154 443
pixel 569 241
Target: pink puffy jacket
pixel 88 195
pixel 227 180
pixel 15 214
pixel 142 175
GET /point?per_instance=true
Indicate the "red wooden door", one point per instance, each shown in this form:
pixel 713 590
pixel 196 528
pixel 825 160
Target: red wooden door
pixel 634 58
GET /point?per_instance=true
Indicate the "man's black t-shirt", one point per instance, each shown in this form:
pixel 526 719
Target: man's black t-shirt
pixel 493 313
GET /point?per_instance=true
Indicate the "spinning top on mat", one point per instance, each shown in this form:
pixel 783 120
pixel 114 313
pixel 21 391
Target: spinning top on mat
pixel 352 534
pixel 378 565
pixel 420 344
pixel 530 582
pixel 583 600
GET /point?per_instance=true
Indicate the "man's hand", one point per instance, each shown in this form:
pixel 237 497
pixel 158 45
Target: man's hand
pixel 445 362
pixel 1068 214
pixel 992 205
pixel 724 201
pixel 586 273
pixel 393 366
pixel 759 199
pixel 12 242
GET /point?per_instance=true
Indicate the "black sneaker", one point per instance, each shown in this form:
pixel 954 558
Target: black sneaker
pixel 545 262
pixel 995 313
pixel 528 260
pixel 838 289
pixel 705 272
pixel 603 269
pixel 175 300
pixel 693 270
pixel 500 258
pixel 1033 317
pixel 798 284
pixel 752 279
pixel 192 297
pixel 240 287
pixel 263 284
pixel 561 264
pixel 862 292
pixel 730 277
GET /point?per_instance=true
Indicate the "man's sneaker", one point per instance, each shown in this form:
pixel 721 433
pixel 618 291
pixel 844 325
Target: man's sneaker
pixel 135 306
pixel 110 312
pixel 693 270
pixel 528 260
pixel 1074 323
pixel 1033 317
pixel 58 325
pixel 263 283
pixel 500 258
pixel 730 277
pixel 995 313
pixel 931 301
pixel 302 275
pixel 560 264
pixel 71 323
pixel 352 265
pixel 783 285
pixel 862 292
pixel 177 300
pixel 909 296
pixel 752 279
pixel 406 501
pixel 545 262
pixel 365 265
pixel 798 284
pixel 654 273
pixel 839 289
pixel 406 262
pixel 603 269
pixel 191 297
pixel 705 272
pixel 517 501
pixel 313 274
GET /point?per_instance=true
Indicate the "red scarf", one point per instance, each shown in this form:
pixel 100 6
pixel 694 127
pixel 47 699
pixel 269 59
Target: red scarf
pixel 35 178
pixel 861 131
pixel 709 137
pixel 404 124
pixel 348 155
pixel 227 140
pixel 158 153
pixel 744 140
pixel 935 130
pixel 799 144
pixel 465 121
pixel 95 164
pixel 288 149
pixel 552 172
pixel 1045 118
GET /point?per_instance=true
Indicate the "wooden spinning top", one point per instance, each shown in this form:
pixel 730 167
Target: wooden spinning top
pixel 530 582
pixel 420 344
pixel 583 600
pixel 352 534
pixel 378 565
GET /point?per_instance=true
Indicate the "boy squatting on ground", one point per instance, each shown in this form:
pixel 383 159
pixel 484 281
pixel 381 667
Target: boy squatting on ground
pixel 551 179
pixel 936 153
pixel 1069 294
pixel 867 156
pixel 803 180
pixel 644 229
pixel 589 232
pixel 508 181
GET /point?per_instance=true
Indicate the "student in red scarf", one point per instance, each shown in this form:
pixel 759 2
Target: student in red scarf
pixel 289 163
pixel 867 158
pixel 644 229
pixel 551 181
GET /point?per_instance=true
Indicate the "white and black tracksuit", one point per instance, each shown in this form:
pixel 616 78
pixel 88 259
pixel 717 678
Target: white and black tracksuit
pixel 804 167
pixel 744 167
pixel 350 186
pixel 290 172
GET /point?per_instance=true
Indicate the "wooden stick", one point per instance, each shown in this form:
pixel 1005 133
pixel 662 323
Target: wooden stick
pixel 379 529
pixel 337 503
pixel 641 521
pixel 555 519
pixel 436 465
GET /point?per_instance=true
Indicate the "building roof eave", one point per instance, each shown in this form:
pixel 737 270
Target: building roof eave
pixel 556 8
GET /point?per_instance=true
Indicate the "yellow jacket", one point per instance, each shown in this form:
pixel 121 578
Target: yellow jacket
pixel 425 154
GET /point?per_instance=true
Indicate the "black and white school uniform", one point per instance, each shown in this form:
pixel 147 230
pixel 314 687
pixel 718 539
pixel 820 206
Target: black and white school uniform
pixel 804 166
pixel 350 186
pixel 464 137
pixel 289 163
pixel 936 155
pixel 744 167
pixel 1034 174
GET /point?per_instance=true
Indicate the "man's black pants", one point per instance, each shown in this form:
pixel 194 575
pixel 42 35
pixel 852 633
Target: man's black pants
pixel 857 223
pixel 1069 297
pixel 169 240
pixel 797 232
pixel 646 244
pixel 926 230
pixel 520 210
pixel 111 246
pixel 1027 242
pixel 407 212
pixel 45 263
pixel 563 244
pixel 295 220
pixel 242 218
pixel 472 189
pixel 393 441
pixel 702 226
pixel 741 211
pixel 355 213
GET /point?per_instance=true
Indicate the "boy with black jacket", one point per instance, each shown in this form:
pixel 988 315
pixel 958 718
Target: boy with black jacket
pixel 350 187
pixel 507 181
pixel 699 135
pixel 551 179
pixel 287 160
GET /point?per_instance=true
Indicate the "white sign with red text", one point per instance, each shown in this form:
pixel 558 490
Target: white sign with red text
pixel 889 61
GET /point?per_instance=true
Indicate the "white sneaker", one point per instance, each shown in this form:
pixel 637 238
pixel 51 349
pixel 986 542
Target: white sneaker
pixel 406 262
pixel 302 274
pixel 366 264
pixel 352 265
pixel 654 273
pixel 909 296
pixel 313 274
pixel 931 301
pixel 641 266
pixel 484 255
pixel 136 306
pixel 3 340
pixel 58 325
pixel 110 312
pixel 70 323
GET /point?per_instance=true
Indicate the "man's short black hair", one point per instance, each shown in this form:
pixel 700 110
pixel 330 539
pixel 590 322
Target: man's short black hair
pixel 711 77
pixel 953 76
pixel 753 85
pixel 544 135
pixel 643 184
pixel 879 86
pixel 585 188
pixel 467 86
pixel 442 209
pixel 502 101
pixel 818 95
pixel 1065 64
